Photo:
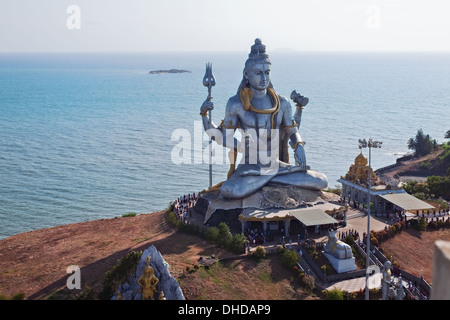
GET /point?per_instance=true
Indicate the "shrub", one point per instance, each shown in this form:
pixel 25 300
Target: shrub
pixel 425 165
pixel 415 187
pixel 289 259
pixel 336 190
pixel 349 240
pixel 314 253
pixel 326 269
pixel 259 253
pixel 310 283
pixel 421 224
pixel 447 223
pixel 189 228
pixel 439 186
pixel 335 294
pixel 373 291
pixel 421 195
pixel 172 218
pixel 441 202
pixel 374 241
pixel 120 272
pixel 129 214
pixel 212 234
pixel 352 295
pixel 236 245
pixel 395 264
pixel 17 296
pixel 433 225
pixel 301 275
pixel 87 294
pixel 381 235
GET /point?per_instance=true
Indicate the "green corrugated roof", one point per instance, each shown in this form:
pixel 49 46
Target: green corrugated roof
pixel 312 217
pixel 407 201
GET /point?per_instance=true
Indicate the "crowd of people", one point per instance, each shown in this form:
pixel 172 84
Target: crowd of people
pixel 344 234
pixel 430 215
pixel 182 207
pixel 257 236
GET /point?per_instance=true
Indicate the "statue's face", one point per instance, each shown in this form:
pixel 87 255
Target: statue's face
pixel 258 76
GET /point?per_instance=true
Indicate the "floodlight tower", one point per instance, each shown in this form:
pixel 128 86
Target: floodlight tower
pixel 371 144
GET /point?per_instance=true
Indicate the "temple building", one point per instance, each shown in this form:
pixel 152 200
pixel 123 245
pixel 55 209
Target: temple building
pixel 386 199
pixel 359 172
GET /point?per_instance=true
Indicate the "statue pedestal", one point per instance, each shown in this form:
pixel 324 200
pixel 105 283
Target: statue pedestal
pixel 216 209
pixel 341 265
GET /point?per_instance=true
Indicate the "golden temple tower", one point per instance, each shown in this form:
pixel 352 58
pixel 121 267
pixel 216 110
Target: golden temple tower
pixel 358 172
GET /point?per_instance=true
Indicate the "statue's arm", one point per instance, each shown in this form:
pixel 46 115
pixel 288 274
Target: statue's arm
pixel 230 123
pixel 292 132
pixel 289 125
pixel 224 133
pixel 300 103
pixel 298 116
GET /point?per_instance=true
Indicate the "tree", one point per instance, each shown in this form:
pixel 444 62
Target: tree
pixel 439 186
pixel 422 144
pixel 224 236
pixel 447 134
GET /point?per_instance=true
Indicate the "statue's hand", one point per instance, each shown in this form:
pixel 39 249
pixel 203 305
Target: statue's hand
pixel 300 158
pixel 206 106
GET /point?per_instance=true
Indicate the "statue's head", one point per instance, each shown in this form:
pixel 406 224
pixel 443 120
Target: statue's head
pixel 257 68
pixel 331 234
pixel 388 265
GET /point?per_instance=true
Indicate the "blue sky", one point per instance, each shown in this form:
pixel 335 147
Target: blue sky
pixel 209 25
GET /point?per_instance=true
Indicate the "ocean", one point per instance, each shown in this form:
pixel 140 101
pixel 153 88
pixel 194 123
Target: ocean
pixel 92 136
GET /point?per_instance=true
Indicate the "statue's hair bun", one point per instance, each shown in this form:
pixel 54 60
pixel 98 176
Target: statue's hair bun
pixel 258 51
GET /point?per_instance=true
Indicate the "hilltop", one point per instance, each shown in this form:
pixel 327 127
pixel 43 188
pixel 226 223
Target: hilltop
pixel 410 168
pixel 35 262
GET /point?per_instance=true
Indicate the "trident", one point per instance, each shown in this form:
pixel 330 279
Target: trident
pixel 209 81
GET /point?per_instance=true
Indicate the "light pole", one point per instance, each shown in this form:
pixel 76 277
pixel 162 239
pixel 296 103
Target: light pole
pixel 371 144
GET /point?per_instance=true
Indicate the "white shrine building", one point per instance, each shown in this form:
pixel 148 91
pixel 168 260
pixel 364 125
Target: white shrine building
pixel 386 199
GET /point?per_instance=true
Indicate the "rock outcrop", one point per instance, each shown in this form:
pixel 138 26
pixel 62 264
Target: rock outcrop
pixel 167 283
pixel 169 71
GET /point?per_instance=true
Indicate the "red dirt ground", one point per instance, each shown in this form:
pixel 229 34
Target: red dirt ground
pixel 35 262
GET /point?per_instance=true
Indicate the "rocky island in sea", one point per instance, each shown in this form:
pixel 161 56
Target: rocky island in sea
pixel 169 71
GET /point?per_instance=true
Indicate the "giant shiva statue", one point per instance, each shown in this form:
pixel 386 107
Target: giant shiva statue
pixel 266 124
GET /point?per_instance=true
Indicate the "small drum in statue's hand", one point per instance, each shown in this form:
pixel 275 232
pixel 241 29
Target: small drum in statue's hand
pixel 299 99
